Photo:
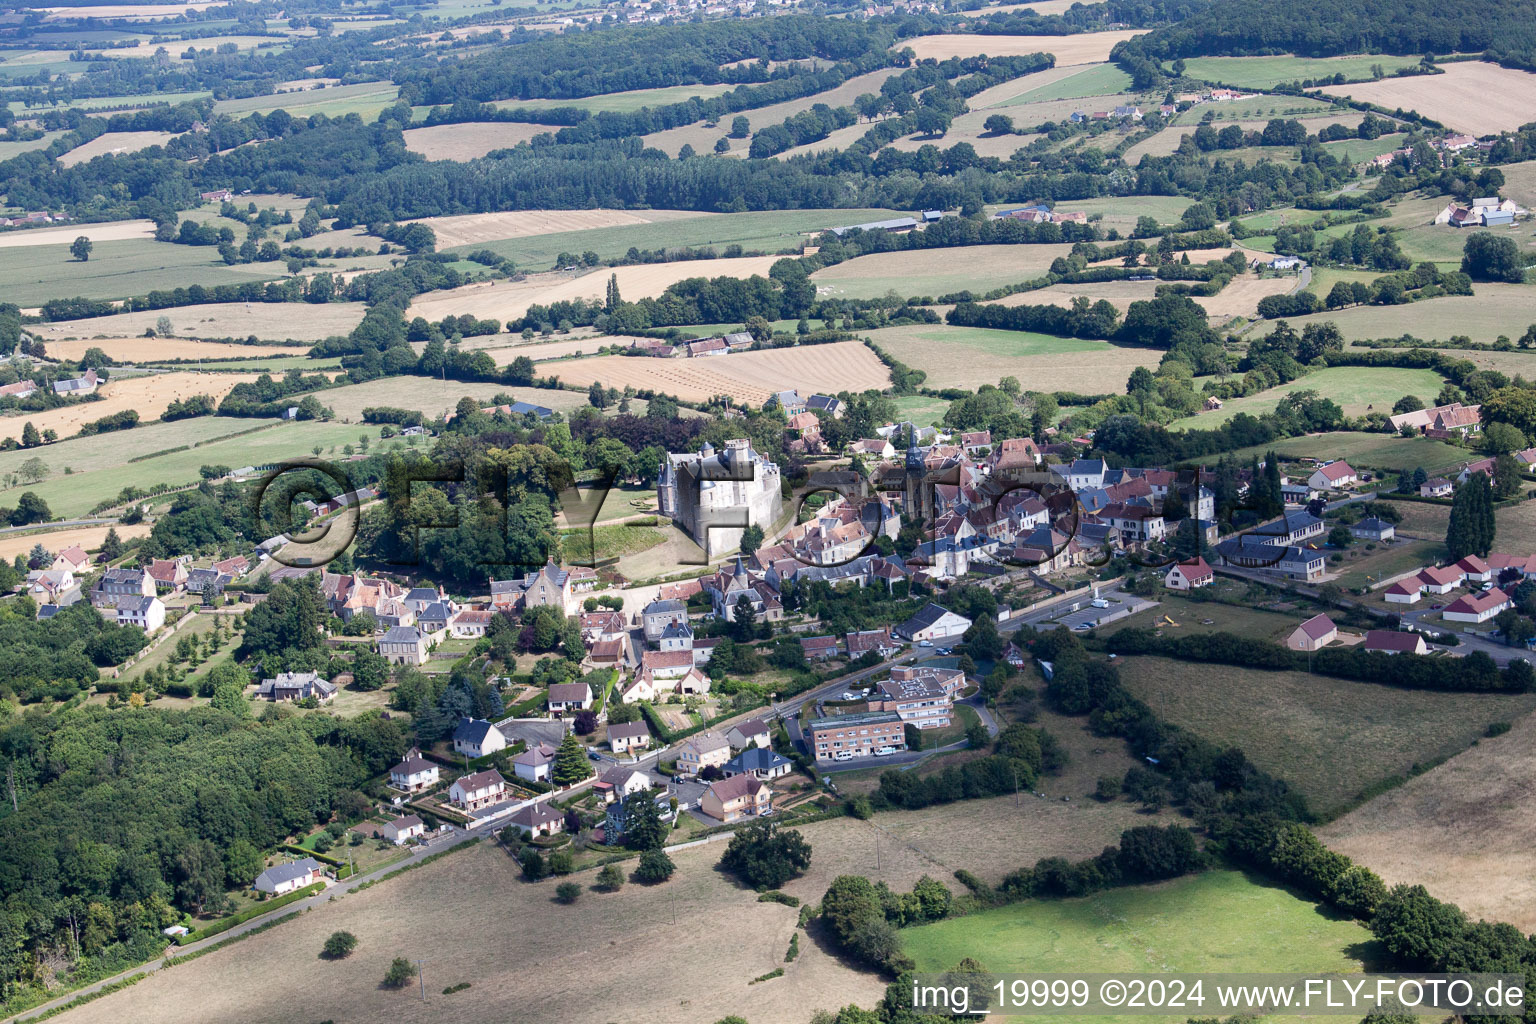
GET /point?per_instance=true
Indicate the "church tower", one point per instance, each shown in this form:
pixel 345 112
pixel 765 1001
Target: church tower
pixel 916 501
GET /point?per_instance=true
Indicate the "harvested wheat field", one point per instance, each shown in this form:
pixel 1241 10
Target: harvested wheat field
pixel 115 142
pixel 112 12
pixel 280 321
pixel 1084 48
pixel 433 397
pixel 1241 296
pixel 114 232
pixel 509 300
pixel 967 357
pixel 149 350
pixel 934 272
pixel 475 228
pixel 88 537
pixel 1466 830
pixel 747 376
pixel 1469 96
pixel 149 395
pixel 471 140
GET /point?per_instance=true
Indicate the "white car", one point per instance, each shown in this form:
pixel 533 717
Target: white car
pixel 925 643
pixel 885 751
pixel 843 755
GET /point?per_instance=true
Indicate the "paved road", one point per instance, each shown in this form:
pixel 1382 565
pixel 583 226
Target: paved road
pixel 56 525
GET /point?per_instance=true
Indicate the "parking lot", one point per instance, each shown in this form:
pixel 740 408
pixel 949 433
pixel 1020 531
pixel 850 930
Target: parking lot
pixel 1118 605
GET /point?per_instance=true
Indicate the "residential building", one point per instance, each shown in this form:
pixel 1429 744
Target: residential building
pixel 475 737
pixel 628 736
pixel 1374 529
pixel 568 698
pixel 1477 608
pixel 877 640
pixel 933 622
pixel 621 782
pixel 861 735
pixel 1314 634
pixel 713 496
pixel 819 648
pixel 1405 591
pixel 285 878
pixel 147 613
pixel 550 587
pixel 921 702
pixel 741 796
pixel 1334 475
pixel 72 559
pixel 660 614
pixel 296 686
pixel 1474 569
pixel 754 732
pixel 1390 641
pixel 116 584
pixel 403 829
pixel 759 762
pixel 404 645
pixel 703 751
pixel 482 789
pixel 414 773
pixel 1436 487
pixel 538 819
pixel 534 763
pixel 1441 580
pixel 1189 575
pixel 77 387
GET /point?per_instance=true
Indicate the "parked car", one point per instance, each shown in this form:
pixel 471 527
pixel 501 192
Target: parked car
pixel 925 643
pixel 885 751
pixel 594 755
pixel 843 755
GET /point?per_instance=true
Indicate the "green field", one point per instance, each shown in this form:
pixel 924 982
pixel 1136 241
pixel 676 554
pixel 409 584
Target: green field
pixel 1492 310
pixel 1219 921
pixel 1268 72
pixel 1324 278
pixel 926 272
pixel 1444 244
pixel 1354 388
pixel 769 232
pixel 365 99
pixel 626 102
pixel 1365 450
pixel 921 409
pixel 1100 80
pixel 972 356
pixel 1357 151
pixel 10 149
pixel 118 269
pixel 1330 739
pixel 77 493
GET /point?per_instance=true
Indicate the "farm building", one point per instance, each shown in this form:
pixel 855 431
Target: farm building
pixel 933 622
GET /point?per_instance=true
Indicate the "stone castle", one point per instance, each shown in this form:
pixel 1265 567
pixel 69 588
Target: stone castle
pixel 714 495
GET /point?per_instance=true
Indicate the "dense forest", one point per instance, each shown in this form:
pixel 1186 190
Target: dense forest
pixel 1502 28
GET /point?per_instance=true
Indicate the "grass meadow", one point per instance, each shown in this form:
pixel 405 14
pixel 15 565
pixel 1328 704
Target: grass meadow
pixel 1330 739
pixel 1353 388
pixel 119 269
pixel 768 231
pixel 1268 72
pixel 1364 450
pixel 1493 310
pixel 1221 921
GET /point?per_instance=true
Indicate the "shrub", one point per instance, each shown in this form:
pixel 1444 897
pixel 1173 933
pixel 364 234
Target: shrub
pixel 655 866
pixel 400 973
pixel 611 878
pixel 567 892
pixel 339 946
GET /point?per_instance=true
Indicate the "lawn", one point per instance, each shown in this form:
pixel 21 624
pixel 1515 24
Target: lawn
pixel 77 493
pixel 769 232
pixel 118 269
pixel 1324 278
pixel 610 541
pixel 1219 921
pixel 1443 244
pixel 1363 568
pixel 1516 528
pixel 1267 72
pixel 928 272
pixel 1212 616
pixel 971 356
pixel 1357 390
pixel 1365 450
pixel 1330 739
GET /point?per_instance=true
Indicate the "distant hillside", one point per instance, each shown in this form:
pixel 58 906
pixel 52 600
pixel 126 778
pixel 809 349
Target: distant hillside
pixel 1504 29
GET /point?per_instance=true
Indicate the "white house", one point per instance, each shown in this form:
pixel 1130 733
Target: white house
pixel 413 774
pixel 402 829
pixel 1189 575
pixel 534 763
pixel 1334 475
pixel 1476 608
pixel 145 612
pixel 476 737
pixel 481 789
pixel 933 622
pixel 1405 591
pixel 1312 635
pixel 751 733
pixel 702 751
pixel 1390 641
pixel 628 736
pixel 281 878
